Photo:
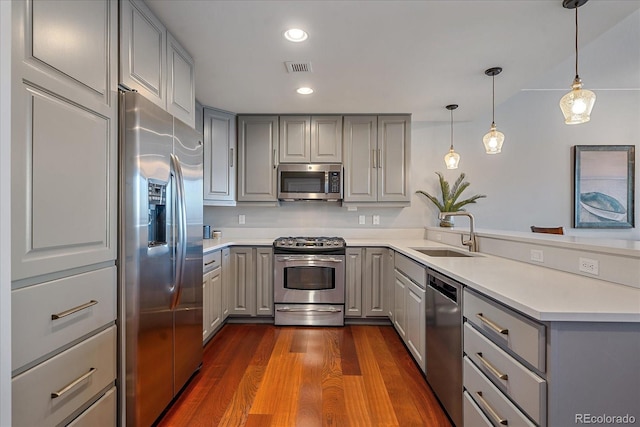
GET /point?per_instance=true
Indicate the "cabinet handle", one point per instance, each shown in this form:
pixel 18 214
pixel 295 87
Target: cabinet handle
pixel 210 262
pixel 494 414
pixel 492 368
pixel 492 325
pixel 375 159
pixel 73 310
pixel 275 158
pixel 380 158
pixel 230 157
pixel 72 384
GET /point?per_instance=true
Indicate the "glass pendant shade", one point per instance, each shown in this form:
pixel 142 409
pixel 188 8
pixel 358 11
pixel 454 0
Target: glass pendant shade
pixel 493 140
pixel 576 105
pixel 452 159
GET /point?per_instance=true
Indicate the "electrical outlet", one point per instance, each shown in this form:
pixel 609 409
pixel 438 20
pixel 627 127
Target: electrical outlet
pixel 361 219
pixel 588 265
pixel 537 255
pixel 376 220
pixel 241 219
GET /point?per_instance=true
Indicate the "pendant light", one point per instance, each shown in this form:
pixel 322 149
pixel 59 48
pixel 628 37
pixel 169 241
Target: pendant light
pixel 494 139
pixel 452 158
pixel 576 105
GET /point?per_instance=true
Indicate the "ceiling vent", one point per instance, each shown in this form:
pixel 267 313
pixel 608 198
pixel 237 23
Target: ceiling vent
pixel 298 67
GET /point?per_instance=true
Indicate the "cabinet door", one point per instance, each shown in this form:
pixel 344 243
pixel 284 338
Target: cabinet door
pixel 326 139
pixel 389 284
pixel 181 93
pixel 243 281
pixel 226 282
pixel 207 303
pixel 374 289
pixel 360 137
pixel 353 283
pixel 215 319
pixel 143 50
pixel 64 108
pixel 219 157
pixel 399 312
pixel 416 322
pixel 295 139
pixel 264 282
pixel 257 158
pixel 394 142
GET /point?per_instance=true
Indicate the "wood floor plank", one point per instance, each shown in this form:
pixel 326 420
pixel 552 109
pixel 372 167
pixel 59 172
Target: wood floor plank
pixel 268 376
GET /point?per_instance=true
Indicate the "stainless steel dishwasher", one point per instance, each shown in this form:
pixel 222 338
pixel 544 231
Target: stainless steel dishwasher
pixel 444 342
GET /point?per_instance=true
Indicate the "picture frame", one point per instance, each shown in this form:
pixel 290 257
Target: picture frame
pixel 604 181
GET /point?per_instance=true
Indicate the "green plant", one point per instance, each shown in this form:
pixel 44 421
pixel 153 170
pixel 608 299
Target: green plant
pixel 450 195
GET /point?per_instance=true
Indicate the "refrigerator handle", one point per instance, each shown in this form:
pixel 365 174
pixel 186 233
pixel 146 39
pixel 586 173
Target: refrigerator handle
pixel 181 247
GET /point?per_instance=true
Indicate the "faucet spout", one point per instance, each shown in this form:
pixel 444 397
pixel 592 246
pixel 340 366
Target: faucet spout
pixel 472 243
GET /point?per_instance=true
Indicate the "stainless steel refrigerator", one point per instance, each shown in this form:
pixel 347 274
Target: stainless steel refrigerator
pixel 160 257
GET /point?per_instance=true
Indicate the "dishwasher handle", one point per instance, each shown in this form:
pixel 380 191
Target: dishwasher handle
pixel 448 290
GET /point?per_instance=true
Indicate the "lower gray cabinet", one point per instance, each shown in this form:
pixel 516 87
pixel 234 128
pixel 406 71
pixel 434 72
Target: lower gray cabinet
pixel 251 277
pixel 353 283
pixel 367 273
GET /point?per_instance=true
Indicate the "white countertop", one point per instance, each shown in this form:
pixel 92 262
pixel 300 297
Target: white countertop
pixel 542 293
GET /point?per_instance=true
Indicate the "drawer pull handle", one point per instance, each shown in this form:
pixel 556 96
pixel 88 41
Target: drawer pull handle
pixel 73 310
pixel 492 325
pixel 72 384
pixel 209 263
pixel 492 368
pixel 494 414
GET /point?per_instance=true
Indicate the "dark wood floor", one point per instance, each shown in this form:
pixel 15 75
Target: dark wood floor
pixel 263 375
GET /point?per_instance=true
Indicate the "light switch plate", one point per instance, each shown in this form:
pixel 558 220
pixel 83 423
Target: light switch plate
pixel 361 219
pixel 537 255
pixel 376 220
pixel 241 219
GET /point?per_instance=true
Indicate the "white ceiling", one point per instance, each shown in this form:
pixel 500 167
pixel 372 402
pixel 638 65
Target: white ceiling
pixel 380 56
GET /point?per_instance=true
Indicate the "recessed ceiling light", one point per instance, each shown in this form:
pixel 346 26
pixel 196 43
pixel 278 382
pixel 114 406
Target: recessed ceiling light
pixel 304 90
pixel 295 35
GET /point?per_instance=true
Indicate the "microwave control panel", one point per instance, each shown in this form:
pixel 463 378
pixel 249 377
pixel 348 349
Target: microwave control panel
pixel 334 182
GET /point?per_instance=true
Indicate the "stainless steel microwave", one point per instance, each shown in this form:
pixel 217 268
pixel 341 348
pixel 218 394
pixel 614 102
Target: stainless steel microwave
pixel 298 181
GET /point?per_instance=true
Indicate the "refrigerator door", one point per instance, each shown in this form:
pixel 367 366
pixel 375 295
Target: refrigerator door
pixel 187 146
pixel 146 258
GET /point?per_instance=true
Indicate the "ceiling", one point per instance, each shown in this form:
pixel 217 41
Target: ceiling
pixel 380 56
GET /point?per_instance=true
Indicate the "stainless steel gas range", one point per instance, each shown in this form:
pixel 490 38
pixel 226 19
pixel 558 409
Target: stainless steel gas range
pixel 309 276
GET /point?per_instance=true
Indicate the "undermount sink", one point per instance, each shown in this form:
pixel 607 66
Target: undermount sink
pixel 442 252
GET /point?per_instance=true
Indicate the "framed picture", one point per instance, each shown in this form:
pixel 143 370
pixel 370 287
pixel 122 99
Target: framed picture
pixel 604 177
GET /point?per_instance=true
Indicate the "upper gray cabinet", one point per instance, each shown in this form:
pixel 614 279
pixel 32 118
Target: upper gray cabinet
pixel 219 157
pixel 376 159
pixel 153 62
pixel 64 108
pixel 310 139
pixel 257 158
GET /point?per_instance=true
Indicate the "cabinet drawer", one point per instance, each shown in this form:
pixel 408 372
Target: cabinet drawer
pixel 211 261
pixel 515 380
pixel 492 402
pixel 83 303
pixel 77 374
pixel 472 414
pixel 101 414
pixel 411 269
pixel 507 328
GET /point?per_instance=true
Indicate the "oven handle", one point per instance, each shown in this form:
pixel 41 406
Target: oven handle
pixel 307 310
pixel 313 258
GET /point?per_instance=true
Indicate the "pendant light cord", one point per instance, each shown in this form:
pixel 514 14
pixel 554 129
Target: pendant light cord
pixel 451 148
pixel 576 42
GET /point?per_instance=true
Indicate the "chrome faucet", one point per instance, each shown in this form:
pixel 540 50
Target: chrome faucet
pixel 472 243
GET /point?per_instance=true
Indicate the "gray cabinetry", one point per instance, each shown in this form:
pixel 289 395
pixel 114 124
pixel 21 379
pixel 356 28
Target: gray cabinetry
pixel 310 139
pixel 219 157
pixel 252 281
pixel 211 294
pixel 366 282
pixel 226 282
pixel 64 211
pixel 409 313
pixel 257 158
pixel 377 159
pixel 153 62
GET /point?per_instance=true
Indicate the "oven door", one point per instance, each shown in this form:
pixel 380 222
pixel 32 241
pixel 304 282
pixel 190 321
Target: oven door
pixel 309 279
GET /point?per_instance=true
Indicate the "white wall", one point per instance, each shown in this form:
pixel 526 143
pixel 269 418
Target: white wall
pixel 530 182
pixel 5 213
